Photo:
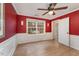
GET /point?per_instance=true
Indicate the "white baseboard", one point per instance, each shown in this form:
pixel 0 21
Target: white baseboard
pixel 25 38
pixel 8 47
pixel 74 41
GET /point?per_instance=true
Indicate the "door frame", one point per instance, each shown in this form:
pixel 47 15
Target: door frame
pixel 55 22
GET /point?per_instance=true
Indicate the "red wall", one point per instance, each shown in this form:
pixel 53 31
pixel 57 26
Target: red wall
pixel 10 21
pixel 74 22
pixel 48 28
pixel 22 29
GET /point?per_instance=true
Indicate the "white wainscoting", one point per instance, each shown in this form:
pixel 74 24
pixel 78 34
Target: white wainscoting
pixel 25 38
pixel 8 47
pixel 74 41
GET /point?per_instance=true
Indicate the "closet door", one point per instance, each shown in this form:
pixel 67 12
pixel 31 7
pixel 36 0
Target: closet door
pixel 63 31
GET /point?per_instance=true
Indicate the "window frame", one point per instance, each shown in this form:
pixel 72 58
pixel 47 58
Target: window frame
pixel 2 31
pixel 34 20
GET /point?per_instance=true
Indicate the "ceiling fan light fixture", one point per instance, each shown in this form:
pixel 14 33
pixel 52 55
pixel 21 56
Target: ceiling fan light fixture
pixel 50 12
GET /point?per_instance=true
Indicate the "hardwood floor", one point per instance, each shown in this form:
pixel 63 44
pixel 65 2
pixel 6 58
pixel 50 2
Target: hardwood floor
pixel 45 48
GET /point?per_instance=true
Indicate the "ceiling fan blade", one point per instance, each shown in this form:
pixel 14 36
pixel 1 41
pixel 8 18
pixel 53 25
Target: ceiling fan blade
pixel 61 8
pixel 42 9
pixel 45 13
pixel 49 6
pixel 54 4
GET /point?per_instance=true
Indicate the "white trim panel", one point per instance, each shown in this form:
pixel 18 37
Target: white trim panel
pixel 25 38
pixel 8 47
pixel 74 41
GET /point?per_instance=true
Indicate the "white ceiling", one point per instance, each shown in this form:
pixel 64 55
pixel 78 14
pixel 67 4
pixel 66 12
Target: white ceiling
pixel 30 9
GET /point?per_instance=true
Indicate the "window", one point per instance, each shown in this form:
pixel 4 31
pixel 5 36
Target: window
pixel 1 21
pixel 35 26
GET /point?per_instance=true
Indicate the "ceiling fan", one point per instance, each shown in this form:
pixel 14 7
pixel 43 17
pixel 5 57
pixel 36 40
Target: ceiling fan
pixel 51 9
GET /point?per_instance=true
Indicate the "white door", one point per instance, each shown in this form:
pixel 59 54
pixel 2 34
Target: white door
pixel 63 31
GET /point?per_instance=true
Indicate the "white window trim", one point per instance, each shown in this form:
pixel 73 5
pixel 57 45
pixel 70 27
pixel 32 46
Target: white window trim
pixel 29 19
pixel 2 32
